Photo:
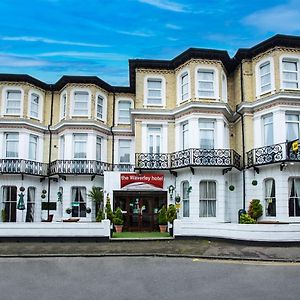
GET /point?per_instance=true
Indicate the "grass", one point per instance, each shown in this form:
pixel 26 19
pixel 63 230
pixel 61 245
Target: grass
pixel 140 234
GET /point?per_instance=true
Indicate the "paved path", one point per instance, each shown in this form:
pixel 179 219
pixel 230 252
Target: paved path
pixel 195 248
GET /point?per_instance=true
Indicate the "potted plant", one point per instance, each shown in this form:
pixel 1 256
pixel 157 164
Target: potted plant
pixel 118 220
pixel 255 209
pixel 162 219
pixel 171 216
pixel 96 195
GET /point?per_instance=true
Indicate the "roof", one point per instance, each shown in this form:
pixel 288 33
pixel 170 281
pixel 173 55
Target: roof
pixel 230 64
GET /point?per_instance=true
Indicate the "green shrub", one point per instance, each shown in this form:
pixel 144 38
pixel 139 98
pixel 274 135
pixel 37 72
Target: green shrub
pixel 255 209
pixel 108 210
pixel 3 215
pixel 100 216
pixel 118 217
pixel 171 213
pixel 162 216
pixel 246 219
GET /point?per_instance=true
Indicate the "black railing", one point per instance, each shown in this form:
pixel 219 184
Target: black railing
pixel 79 167
pixel 23 166
pixel 123 168
pixel 271 154
pixel 189 158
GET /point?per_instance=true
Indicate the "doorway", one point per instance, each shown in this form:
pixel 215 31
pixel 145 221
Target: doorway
pixel 140 209
pixel 10 203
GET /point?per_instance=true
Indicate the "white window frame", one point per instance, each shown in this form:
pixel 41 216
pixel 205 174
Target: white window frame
pixel 269 199
pixel 258 76
pixel 104 106
pixel 78 90
pixel 82 213
pixel 63 105
pixel 120 141
pixel 62 143
pixel 12 140
pixel 224 88
pixel 184 130
pixel 207 129
pixel 4 100
pixel 36 147
pixel 207 68
pixel 117 110
pixel 290 121
pixel 163 90
pixel 208 199
pixel 292 58
pixel 294 199
pixel 80 141
pixel 180 98
pixel 99 138
pixel 40 105
pixel 187 199
pixel 264 123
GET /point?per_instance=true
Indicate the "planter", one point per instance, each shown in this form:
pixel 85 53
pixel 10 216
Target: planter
pixel 163 228
pixel 119 228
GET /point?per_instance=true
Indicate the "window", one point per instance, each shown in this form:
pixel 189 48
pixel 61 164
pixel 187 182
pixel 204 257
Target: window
pixel 184 86
pixel 80 141
pixel 185 199
pixel 206 83
pixel 98 148
pixel 12 145
pixel 33 143
pixel 34 105
pixel 10 203
pixel 154 91
pixel 78 202
pixel 154 139
pixel 124 112
pixel 294 197
pixel 207 132
pixel 290 76
pixel 81 103
pixel 270 199
pixel 268 130
pixel 30 204
pixel 124 151
pixel 63 106
pixel 13 102
pixel 100 103
pixel 224 88
pixel 292 127
pixel 185 135
pixel 265 77
pixel 62 147
pixel 208 199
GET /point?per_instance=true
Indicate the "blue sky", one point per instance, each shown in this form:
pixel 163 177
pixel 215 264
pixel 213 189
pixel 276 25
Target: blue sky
pixel 50 38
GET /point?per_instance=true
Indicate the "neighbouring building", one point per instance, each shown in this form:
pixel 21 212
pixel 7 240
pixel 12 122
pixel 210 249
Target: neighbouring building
pixel 210 129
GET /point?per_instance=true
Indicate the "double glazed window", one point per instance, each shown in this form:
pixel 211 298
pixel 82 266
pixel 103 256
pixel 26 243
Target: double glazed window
pixel 268 130
pixel 294 197
pixel 81 103
pixel 124 151
pixel 270 198
pixel 206 83
pixel 80 141
pixel 207 133
pixel 33 144
pixel 154 91
pixel 265 77
pixel 124 111
pixel 207 202
pixel 13 102
pixel 12 145
pixel 292 126
pixel 184 86
pixel 290 73
pixel 185 199
pixel 34 105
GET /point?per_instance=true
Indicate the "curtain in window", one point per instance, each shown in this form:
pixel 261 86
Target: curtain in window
pixel 30 204
pixel 269 185
pixel 80 145
pixel 297 189
pixel 185 199
pixel 292 127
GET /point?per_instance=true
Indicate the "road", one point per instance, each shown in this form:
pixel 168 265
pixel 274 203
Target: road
pixel 145 278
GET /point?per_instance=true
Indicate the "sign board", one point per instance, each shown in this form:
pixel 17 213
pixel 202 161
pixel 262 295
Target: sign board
pixel 156 180
pixel 295 146
pixel 75 203
pixel 177 205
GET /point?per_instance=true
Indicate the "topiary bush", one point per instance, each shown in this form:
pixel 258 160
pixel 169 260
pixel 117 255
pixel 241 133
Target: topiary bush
pixel 246 219
pixel 171 213
pixel 118 217
pixel 100 216
pixel 255 209
pixel 162 216
pixel 108 210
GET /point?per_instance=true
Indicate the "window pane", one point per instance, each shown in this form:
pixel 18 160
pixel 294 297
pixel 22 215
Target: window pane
pixel 80 141
pixel 154 83
pixel 98 148
pixel 290 65
pixel 32 146
pixel 124 151
pixel 12 145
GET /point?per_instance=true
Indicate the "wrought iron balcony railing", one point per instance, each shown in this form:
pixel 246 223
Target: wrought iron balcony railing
pixel 189 158
pixel 79 167
pixel 123 167
pixel 271 154
pixel 23 166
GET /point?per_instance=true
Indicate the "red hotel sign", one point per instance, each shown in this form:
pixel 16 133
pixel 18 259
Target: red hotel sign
pixel 153 179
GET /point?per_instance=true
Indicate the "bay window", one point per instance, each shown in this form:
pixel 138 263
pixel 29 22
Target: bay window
pixel 12 145
pixel 265 77
pixel 81 103
pixel 34 106
pixel 33 144
pixel 184 86
pixel 13 102
pixel 207 202
pixel 206 83
pixel 268 130
pixel 80 145
pixel 207 133
pixel 290 73
pixel 292 126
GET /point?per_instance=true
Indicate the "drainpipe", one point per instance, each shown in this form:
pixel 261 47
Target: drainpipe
pixel 243 138
pixel 111 130
pixel 50 145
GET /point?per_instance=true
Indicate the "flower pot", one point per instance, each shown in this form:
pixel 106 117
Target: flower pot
pixel 119 228
pixel 163 228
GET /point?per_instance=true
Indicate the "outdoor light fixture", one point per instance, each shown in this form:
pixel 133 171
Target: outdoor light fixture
pixel 171 191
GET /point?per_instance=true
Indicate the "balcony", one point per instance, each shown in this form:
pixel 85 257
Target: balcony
pixel 188 158
pixel 271 154
pixel 22 166
pixel 89 167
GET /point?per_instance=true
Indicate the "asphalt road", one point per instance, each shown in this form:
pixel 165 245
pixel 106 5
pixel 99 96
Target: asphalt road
pixel 146 278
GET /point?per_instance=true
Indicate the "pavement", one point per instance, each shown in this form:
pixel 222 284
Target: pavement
pixel 196 248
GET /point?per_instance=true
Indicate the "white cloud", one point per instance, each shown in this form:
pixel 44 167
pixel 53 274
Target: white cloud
pixel 281 18
pixel 14 60
pixel 50 41
pixel 134 33
pixel 172 39
pixel 173 26
pixel 167 5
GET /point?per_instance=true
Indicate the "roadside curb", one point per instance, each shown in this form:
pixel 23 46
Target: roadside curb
pixel 191 256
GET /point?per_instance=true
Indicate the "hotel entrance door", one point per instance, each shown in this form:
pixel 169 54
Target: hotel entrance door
pixel 140 209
